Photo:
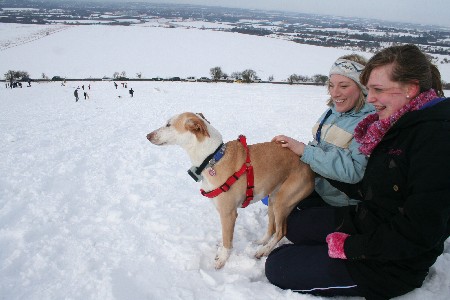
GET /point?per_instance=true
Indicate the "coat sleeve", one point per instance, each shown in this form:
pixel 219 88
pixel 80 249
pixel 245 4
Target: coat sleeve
pixel 423 222
pixel 341 164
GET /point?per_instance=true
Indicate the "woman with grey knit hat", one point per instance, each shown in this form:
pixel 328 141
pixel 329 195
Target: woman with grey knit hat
pixel 333 153
pixel 385 246
pixel 334 156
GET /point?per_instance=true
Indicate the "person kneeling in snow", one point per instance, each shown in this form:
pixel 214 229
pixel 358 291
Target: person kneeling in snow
pixel 384 246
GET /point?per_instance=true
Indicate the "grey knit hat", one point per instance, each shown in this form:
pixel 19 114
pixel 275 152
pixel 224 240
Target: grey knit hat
pixel 350 69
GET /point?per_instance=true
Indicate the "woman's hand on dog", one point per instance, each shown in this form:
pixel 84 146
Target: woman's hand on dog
pixel 290 143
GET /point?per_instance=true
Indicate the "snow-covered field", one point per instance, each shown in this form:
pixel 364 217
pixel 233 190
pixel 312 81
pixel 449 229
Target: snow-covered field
pixel 89 209
pixel 96 51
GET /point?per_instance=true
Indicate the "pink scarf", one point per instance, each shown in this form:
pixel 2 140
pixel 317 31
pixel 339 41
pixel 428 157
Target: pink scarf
pixel 371 130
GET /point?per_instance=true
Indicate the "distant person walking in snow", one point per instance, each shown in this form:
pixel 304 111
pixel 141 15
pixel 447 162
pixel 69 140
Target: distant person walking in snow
pixel 86 96
pixel 115 84
pixel 75 93
pixel 131 92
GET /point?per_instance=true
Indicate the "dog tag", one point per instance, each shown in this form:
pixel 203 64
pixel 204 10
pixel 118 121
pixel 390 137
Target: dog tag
pixel 212 172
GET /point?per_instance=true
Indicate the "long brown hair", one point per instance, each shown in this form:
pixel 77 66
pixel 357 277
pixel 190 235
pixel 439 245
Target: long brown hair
pixel 410 65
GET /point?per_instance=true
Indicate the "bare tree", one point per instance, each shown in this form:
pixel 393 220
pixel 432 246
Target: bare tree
pixel 248 75
pixel 319 78
pixel 216 73
pixel 12 75
pixel 236 75
pixel 293 78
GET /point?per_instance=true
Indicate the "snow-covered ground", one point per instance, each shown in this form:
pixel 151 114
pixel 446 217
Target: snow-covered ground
pixel 97 50
pixel 89 209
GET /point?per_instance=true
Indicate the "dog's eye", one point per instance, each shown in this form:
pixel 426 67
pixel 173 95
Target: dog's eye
pixel 168 125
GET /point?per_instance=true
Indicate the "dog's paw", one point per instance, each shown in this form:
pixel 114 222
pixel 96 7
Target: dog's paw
pixel 266 249
pixel 263 240
pixel 260 253
pixel 222 257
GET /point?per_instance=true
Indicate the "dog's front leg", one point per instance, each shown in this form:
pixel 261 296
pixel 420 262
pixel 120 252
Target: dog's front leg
pixel 228 220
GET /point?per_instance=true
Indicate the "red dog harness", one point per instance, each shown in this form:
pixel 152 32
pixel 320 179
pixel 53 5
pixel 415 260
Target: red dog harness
pixel 246 168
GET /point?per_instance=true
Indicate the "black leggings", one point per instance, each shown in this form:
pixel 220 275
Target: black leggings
pixel 305 266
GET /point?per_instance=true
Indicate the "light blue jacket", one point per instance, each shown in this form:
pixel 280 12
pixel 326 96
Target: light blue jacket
pixel 336 156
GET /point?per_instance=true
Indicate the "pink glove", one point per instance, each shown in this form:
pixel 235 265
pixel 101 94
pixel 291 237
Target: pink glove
pixel 335 243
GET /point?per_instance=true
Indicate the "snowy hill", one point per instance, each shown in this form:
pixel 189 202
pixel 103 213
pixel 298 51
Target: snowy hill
pixel 96 51
pixel 89 209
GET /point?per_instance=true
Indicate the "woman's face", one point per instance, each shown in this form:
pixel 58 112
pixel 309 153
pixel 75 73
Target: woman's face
pixel 344 92
pixel 387 96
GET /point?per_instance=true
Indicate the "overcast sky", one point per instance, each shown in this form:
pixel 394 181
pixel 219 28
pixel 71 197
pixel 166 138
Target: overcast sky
pixel 436 12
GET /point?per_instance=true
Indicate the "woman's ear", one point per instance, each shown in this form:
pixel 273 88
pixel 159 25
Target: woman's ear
pixel 412 90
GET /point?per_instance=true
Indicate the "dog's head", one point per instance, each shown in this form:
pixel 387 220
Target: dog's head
pixel 183 129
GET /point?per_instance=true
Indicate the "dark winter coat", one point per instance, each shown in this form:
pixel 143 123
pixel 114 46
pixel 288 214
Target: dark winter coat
pixel 399 229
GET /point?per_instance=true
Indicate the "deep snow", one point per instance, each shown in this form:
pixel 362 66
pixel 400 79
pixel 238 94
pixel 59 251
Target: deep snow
pixel 94 51
pixel 89 209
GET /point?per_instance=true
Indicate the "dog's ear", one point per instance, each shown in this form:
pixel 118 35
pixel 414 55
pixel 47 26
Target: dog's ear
pixel 201 115
pixel 198 127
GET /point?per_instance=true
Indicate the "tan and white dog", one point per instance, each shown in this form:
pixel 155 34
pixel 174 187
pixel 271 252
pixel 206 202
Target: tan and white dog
pixel 278 172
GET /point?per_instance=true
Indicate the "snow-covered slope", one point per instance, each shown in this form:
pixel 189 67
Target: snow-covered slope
pixel 96 51
pixel 89 209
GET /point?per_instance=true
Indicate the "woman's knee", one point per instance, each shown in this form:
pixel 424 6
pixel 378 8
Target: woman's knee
pixel 311 225
pixel 273 267
pixel 309 269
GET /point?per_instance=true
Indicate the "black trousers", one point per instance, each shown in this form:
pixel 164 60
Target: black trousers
pixel 305 266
